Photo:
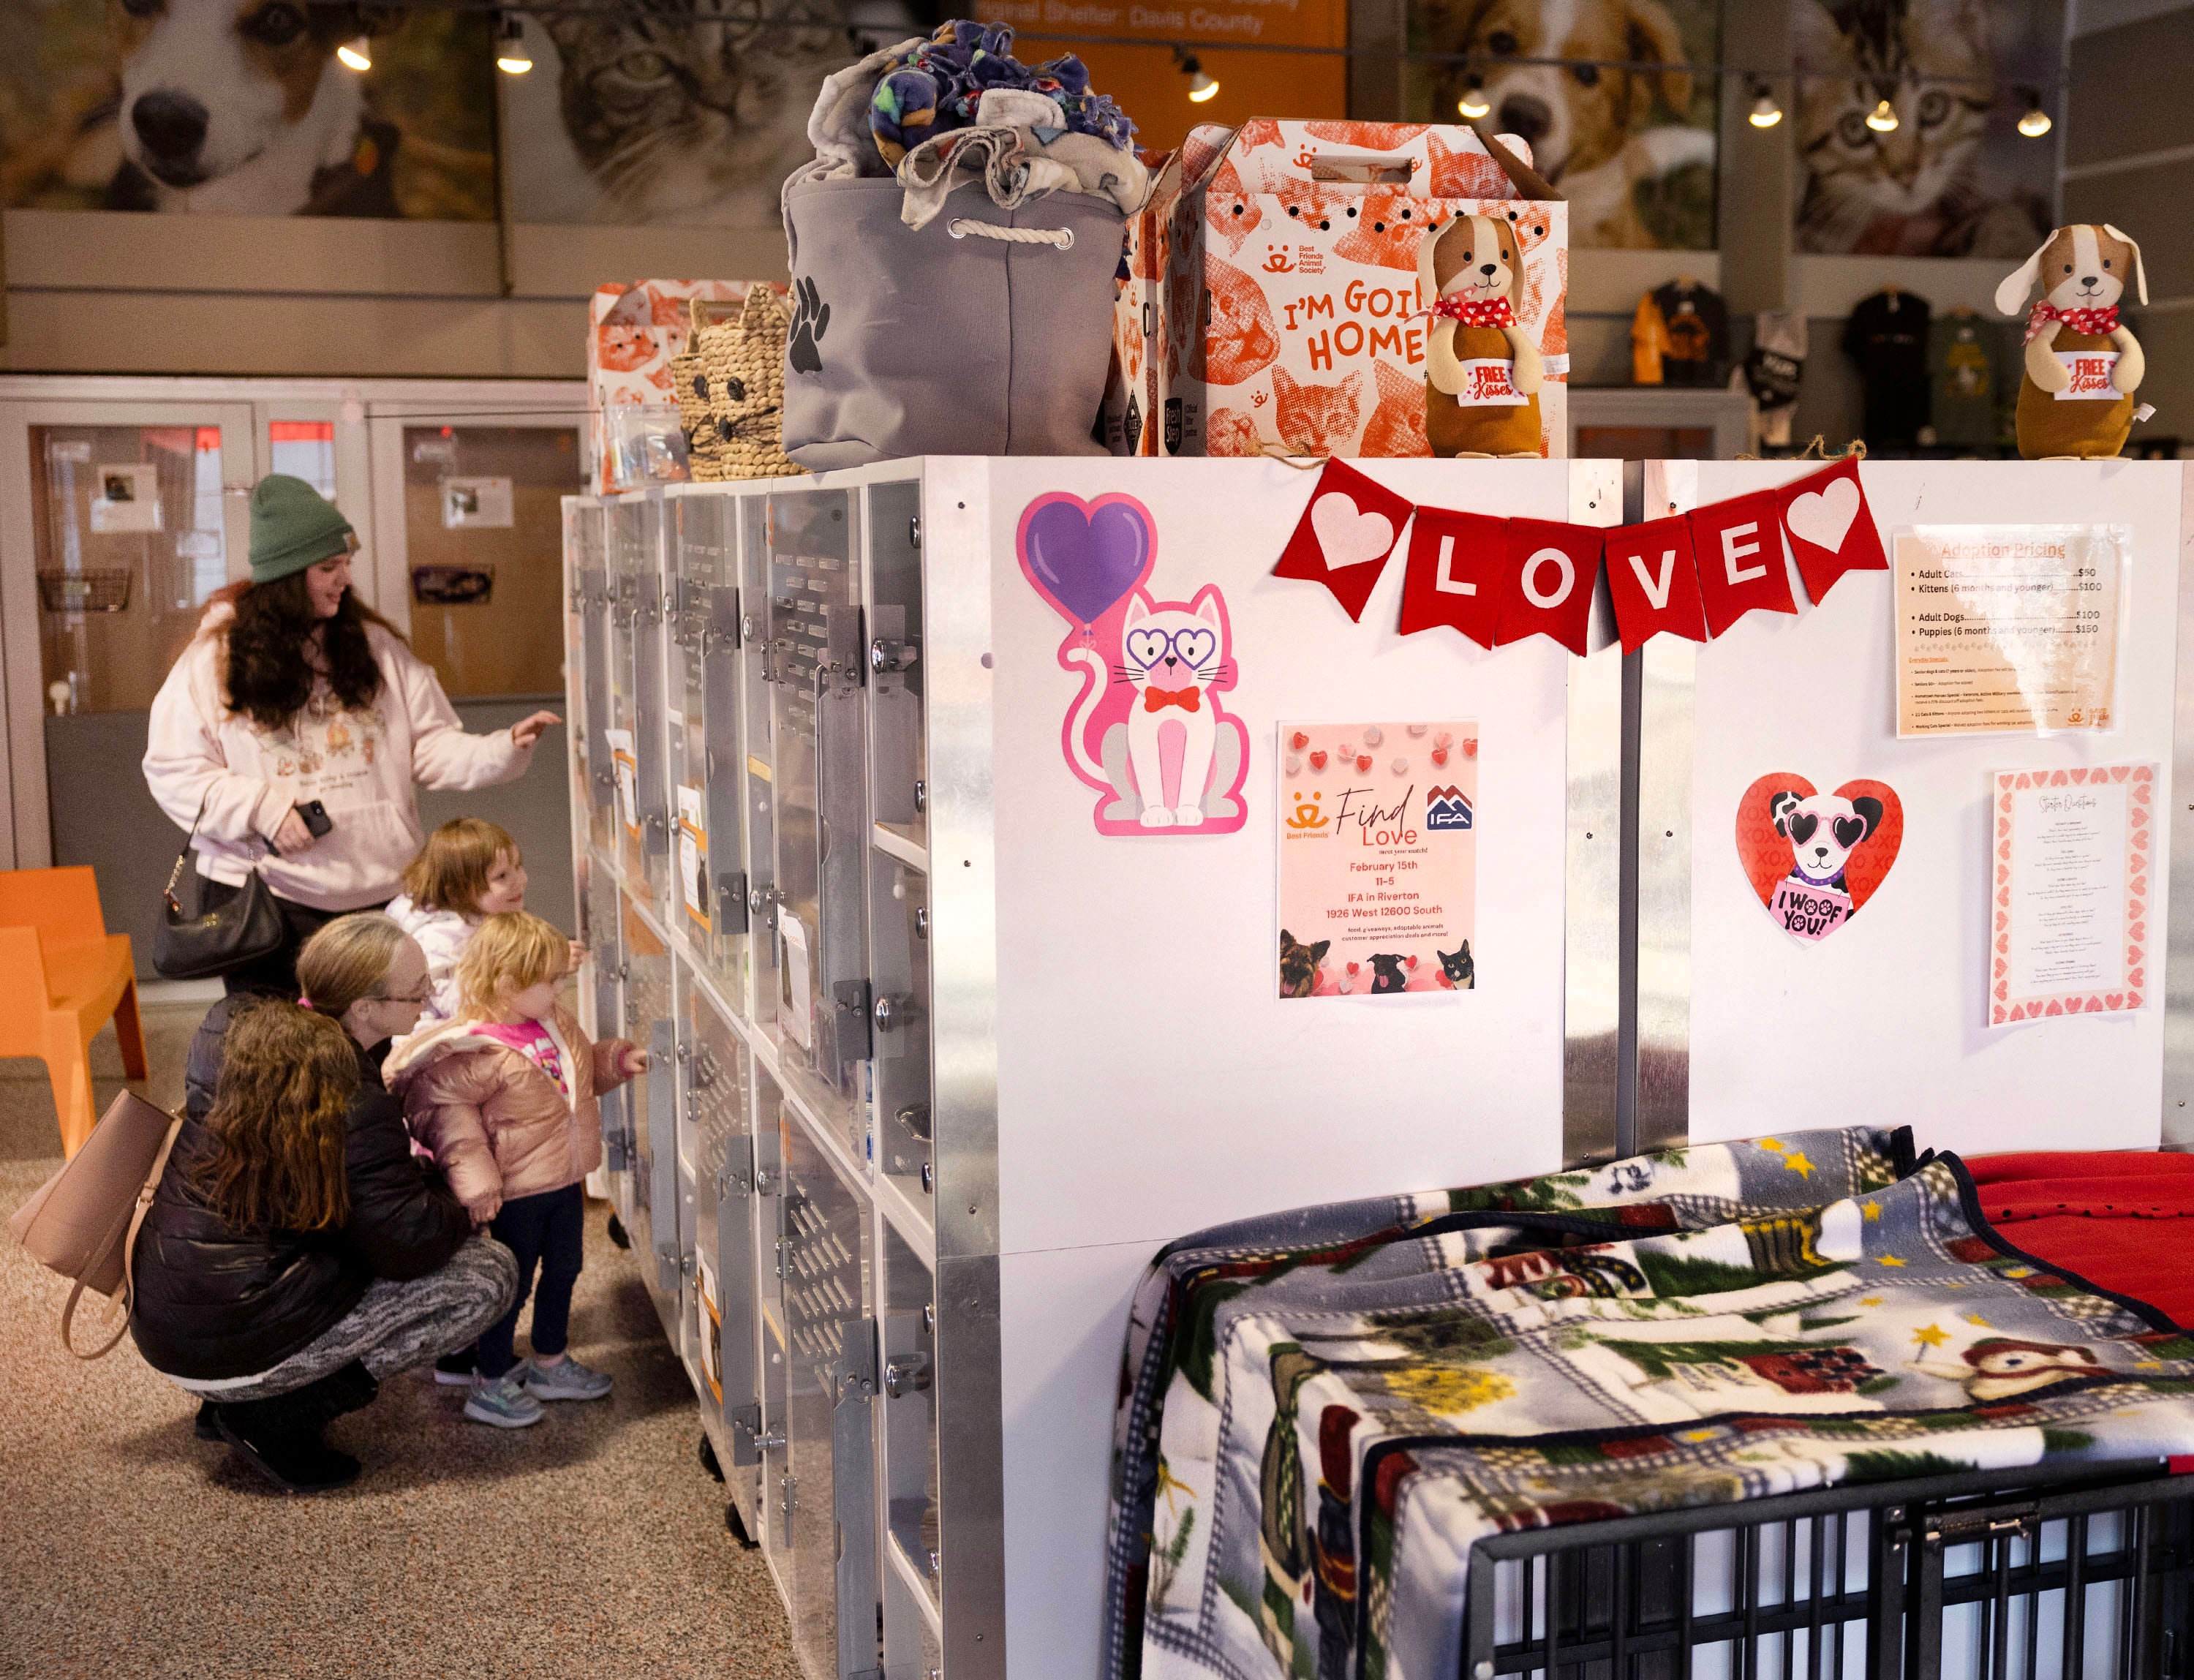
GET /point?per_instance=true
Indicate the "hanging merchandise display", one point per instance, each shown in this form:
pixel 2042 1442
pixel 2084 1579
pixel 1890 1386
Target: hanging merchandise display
pixel 1971 376
pixel 1814 858
pixel 1007 303
pixel 2082 364
pixel 1679 336
pixel 2073 864
pixel 1498 581
pixel 1277 301
pixel 1886 336
pixel 1771 374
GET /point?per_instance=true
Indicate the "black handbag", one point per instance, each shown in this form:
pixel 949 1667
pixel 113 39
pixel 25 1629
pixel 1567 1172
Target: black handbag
pixel 201 945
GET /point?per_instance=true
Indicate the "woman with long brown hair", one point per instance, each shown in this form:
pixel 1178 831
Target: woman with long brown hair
pixel 289 734
pixel 296 1252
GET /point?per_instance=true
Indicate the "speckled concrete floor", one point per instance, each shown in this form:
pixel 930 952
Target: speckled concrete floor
pixel 590 1546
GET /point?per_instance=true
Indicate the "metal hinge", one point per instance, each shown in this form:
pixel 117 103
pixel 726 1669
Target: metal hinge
pixel 849 1003
pixel 732 909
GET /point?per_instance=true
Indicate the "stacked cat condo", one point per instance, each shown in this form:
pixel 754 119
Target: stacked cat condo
pixel 1281 297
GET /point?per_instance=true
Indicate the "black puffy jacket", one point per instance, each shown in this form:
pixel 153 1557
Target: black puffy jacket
pixel 216 1301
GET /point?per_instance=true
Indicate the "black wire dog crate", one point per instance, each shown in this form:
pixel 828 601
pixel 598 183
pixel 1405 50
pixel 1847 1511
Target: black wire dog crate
pixel 1965 1577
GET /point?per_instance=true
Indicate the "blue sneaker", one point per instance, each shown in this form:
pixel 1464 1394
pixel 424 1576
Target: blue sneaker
pixel 503 1400
pixel 567 1379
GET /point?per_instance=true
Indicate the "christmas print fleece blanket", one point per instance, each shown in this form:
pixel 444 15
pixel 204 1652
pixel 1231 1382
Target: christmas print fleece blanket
pixel 1322 1410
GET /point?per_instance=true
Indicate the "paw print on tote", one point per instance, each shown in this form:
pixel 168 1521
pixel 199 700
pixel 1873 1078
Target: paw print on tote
pixel 810 319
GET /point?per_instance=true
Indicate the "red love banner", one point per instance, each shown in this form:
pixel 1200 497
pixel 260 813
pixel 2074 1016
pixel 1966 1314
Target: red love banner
pixel 1738 547
pixel 1831 527
pixel 1457 565
pixel 1652 575
pixel 1345 535
pixel 1552 571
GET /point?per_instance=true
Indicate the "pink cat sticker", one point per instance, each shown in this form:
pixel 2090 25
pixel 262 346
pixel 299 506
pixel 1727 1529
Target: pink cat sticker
pixel 1148 730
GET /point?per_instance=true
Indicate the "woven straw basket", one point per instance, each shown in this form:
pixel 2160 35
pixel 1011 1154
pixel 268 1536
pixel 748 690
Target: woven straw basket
pixel 742 366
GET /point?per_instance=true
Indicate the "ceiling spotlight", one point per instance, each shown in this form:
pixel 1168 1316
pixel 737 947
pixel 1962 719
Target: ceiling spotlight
pixel 1882 119
pixel 510 55
pixel 1473 104
pixel 2035 122
pixel 1201 86
pixel 356 55
pixel 1766 113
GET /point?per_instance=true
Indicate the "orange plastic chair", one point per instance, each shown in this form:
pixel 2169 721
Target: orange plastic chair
pixel 61 976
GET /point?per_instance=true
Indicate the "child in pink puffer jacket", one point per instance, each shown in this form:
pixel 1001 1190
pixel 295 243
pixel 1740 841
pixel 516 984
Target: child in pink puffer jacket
pixel 506 1096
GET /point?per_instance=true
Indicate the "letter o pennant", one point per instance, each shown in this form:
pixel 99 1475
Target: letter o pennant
pixel 1552 571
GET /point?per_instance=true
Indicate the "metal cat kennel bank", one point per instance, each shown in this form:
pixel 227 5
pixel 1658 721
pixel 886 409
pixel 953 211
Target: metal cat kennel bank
pixel 953 1029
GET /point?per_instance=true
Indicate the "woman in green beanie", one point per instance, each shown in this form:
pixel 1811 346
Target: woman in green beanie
pixel 295 693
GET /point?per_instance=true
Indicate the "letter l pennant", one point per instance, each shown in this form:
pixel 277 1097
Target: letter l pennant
pixel 1455 573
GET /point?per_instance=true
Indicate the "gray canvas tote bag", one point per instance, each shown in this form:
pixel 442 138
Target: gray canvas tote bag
pixel 987 332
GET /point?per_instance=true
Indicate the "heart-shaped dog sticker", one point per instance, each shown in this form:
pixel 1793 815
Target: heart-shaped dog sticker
pixel 1822 516
pixel 1345 536
pixel 1814 858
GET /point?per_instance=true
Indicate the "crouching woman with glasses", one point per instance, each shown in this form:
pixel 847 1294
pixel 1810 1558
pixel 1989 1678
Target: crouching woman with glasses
pixel 296 1253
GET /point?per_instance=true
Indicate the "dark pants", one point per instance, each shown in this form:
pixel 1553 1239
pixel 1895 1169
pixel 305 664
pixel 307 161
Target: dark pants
pixel 277 971
pixel 550 1229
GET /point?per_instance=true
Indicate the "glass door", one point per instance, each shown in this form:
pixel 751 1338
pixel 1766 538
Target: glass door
pixel 131 516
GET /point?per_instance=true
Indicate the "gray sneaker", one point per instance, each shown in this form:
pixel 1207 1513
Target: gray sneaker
pixel 567 1379
pixel 503 1400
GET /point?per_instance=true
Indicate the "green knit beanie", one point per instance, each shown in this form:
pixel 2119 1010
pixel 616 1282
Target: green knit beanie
pixel 292 526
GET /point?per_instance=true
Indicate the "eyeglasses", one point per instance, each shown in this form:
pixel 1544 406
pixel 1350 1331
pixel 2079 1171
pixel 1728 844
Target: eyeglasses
pixel 426 996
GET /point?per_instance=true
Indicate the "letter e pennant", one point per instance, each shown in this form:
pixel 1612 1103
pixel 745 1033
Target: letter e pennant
pixel 1345 535
pixel 1553 569
pixel 1738 547
pixel 1457 565
pixel 1832 528
pixel 1655 584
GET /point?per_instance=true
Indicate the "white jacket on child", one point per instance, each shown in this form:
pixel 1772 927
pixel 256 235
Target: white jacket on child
pixel 360 764
pixel 442 934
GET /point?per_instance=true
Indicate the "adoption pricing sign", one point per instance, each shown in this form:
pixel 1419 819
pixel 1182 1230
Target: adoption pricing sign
pixel 1378 832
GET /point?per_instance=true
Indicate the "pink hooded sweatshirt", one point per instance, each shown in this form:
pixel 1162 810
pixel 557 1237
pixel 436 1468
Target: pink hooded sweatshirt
pixel 361 765
pixel 498 1126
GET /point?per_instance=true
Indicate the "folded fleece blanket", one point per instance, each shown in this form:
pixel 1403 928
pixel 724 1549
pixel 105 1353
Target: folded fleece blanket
pixel 1324 1411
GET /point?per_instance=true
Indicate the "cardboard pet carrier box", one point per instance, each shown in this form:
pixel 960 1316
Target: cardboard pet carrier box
pixel 1273 300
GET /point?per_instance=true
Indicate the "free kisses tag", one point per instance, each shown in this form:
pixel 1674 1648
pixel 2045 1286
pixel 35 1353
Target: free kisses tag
pixel 2090 371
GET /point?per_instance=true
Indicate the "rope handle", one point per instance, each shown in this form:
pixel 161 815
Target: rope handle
pixel 1062 238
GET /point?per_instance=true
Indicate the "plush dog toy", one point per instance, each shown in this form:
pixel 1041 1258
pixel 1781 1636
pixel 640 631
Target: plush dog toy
pixel 2083 367
pixel 1482 369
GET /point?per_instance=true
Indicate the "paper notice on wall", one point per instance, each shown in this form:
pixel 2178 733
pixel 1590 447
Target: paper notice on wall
pixel 693 852
pixel 2008 628
pixel 626 768
pixel 127 498
pixel 477 503
pixel 2073 864
pixel 1378 857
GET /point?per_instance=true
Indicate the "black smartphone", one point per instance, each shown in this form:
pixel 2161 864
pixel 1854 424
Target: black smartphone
pixel 316 817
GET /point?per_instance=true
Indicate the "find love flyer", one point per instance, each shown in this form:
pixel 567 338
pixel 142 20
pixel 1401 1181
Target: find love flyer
pixel 1378 857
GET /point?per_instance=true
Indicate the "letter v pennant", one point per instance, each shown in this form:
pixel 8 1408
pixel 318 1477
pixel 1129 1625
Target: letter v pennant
pixel 1655 582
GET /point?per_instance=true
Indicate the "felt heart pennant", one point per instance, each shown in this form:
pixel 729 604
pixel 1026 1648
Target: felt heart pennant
pixel 1552 571
pixel 1738 544
pixel 1654 582
pixel 1345 535
pixel 1831 527
pixel 1814 858
pixel 1454 572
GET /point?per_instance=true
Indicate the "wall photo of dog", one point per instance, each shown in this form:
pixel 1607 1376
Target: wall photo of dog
pixel 243 107
pixel 1623 127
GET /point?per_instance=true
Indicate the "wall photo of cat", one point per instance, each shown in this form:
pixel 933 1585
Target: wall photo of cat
pixel 1954 178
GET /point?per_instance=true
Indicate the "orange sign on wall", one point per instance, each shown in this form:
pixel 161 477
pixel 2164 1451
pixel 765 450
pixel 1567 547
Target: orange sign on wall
pixel 1142 77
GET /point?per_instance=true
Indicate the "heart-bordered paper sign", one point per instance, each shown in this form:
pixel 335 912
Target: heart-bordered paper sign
pixel 1814 858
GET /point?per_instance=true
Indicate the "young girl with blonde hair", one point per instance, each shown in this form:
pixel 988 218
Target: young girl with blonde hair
pixel 505 1094
pixel 469 868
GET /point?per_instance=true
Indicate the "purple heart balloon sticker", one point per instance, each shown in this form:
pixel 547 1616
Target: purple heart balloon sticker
pixel 1084 557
